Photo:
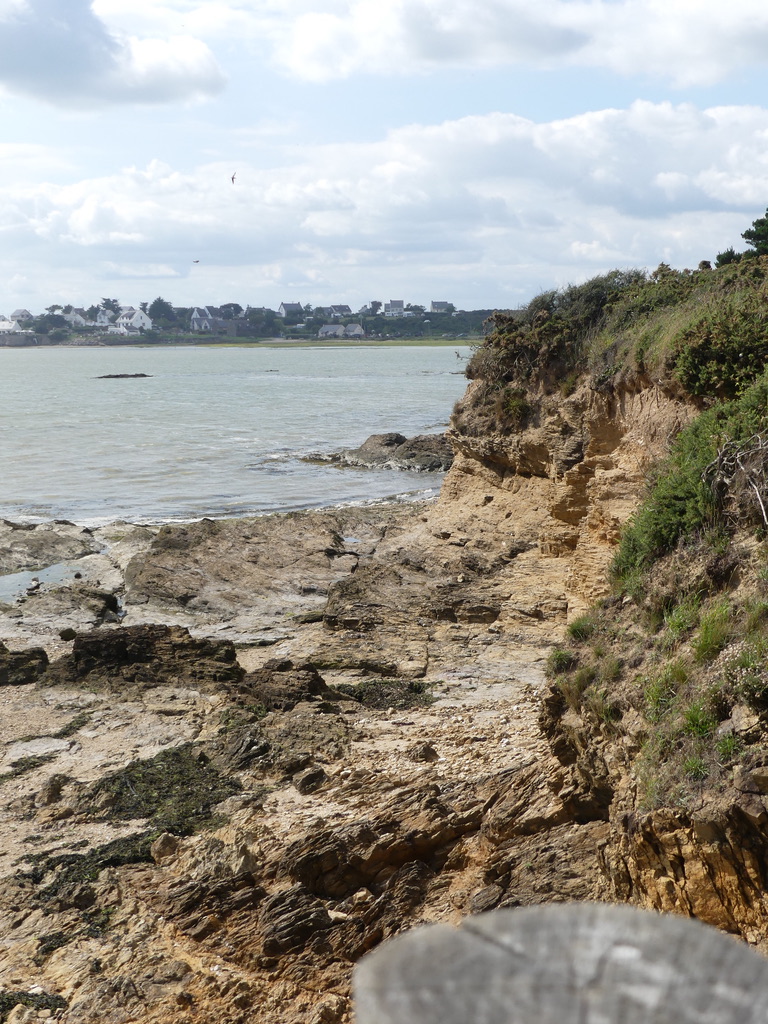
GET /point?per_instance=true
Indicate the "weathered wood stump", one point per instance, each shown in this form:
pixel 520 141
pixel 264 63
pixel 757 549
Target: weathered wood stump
pixel 580 963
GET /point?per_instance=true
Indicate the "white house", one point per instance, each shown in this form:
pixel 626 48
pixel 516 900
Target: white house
pixel 395 307
pixel 130 317
pixel 76 318
pixel 331 331
pixel 9 326
pixel 340 311
pixel 354 331
pixel 290 309
pixel 439 307
pixel 19 315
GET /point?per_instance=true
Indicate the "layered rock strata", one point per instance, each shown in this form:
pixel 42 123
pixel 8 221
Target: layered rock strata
pixel 272 743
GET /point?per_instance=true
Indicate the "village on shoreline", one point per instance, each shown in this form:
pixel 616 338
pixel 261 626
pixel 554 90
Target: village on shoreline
pixel 159 322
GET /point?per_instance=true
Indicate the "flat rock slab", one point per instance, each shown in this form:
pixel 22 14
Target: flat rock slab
pixel 580 963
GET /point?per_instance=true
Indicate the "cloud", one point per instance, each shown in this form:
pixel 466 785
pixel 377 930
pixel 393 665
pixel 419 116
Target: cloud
pixel 64 54
pixel 689 42
pixel 486 209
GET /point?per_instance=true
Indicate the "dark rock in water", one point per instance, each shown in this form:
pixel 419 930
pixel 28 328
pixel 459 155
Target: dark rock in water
pixel 122 376
pixel 20 667
pixel 146 656
pixel 424 453
pixel 379 446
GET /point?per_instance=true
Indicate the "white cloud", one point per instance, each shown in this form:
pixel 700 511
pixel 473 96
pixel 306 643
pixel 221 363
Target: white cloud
pixel 688 42
pixel 64 54
pixel 487 208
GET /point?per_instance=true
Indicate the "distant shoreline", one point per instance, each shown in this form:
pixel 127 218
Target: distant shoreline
pixel 268 343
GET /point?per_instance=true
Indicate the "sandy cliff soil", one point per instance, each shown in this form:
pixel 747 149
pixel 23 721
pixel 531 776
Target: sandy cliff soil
pixel 272 743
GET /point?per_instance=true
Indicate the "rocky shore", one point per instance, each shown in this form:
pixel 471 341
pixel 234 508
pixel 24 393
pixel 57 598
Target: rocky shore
pixel 236 755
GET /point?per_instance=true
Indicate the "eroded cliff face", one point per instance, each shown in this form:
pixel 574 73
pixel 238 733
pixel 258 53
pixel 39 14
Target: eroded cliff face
pixel 359 694
pixel 568 481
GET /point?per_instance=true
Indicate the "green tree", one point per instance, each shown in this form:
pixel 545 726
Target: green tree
pixel 727 256
pixel 161 310
pixel 230 310
pixel 111 306
pixel 757 235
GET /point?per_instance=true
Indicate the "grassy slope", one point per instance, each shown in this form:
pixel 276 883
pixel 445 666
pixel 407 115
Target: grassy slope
pixel 684 638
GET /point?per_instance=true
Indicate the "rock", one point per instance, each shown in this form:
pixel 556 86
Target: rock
pixel 30 548
pixel 22 1015
pixel 142 657
pixel 486 899
pixel 310 781
pixel 422 752
pixel 425 452
pixel 18 668
pixel 51 791
pixel 281 685
pixel 164 848
pixel 288 919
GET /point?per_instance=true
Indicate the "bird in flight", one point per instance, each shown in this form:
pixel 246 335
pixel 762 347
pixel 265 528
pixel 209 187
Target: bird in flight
pixel 195 261
pixel 233 177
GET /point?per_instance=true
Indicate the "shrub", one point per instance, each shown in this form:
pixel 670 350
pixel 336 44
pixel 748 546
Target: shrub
pixel 512 408
pixel 682 503
pixel 723 351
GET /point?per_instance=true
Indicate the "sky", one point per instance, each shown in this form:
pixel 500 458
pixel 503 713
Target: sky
pixel 470 151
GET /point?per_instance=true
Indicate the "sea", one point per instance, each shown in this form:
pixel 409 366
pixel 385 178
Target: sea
pixel 211 431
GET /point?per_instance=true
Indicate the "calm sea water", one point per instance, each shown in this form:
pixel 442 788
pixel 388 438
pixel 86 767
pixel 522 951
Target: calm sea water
pixel 213 431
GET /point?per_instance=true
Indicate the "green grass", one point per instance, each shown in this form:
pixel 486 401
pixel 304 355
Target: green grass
pixel 715 629
pixel 698 719
pixel 581 629
pixel 684 617
pixel 660 691
pixel 682 503
pixel 560 660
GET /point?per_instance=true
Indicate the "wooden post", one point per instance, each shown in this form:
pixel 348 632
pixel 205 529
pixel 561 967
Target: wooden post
pixel 578 963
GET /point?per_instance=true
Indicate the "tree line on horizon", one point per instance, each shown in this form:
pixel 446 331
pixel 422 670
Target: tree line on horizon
pixel 171 321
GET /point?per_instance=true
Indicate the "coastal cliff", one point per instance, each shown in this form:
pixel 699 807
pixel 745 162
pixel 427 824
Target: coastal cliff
pixel 240 754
